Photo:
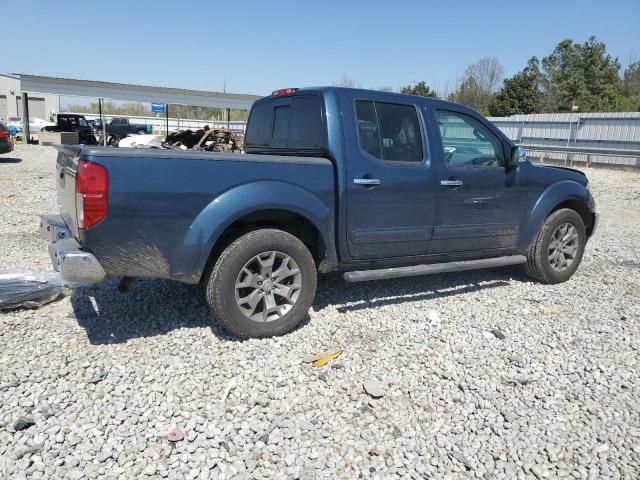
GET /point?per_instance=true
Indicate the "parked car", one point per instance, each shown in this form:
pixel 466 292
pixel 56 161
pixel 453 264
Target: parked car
pixel 375 184
pixel 16 122
pixel 39 125
pixel 71 122
pixel 122 127
pixel 6 144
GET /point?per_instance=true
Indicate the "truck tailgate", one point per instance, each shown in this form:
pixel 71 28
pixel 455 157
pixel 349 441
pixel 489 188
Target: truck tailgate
pixel 66 167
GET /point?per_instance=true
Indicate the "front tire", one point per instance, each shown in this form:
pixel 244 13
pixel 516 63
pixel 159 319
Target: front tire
pixel 558 248
pixel 262 285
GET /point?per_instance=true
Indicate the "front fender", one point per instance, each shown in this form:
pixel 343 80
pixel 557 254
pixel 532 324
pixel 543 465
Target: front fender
pixel 551 197
pixel 191 258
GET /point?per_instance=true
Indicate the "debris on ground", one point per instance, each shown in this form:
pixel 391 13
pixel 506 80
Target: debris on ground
pixel 373 388
pixel 99 377
pixel 22 423
pixel 322 358
pixel 433 317
pixel 498 334
pixel 457 455
pixel 175 435
pixel 321 362
pixel 206 139
pixel 21 288
pixel 230 386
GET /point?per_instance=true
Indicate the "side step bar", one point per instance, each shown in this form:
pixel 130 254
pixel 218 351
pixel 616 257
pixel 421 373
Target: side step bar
pixel 415 270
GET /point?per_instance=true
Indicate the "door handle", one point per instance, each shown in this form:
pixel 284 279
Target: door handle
pixel 451 183
pixel 366 181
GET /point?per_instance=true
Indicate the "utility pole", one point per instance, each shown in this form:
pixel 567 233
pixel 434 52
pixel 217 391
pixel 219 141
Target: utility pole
pixel 413 79
pixel 224 86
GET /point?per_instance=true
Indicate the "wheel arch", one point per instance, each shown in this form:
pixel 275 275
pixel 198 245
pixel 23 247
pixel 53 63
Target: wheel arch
pixel 265 204
pixel 286 220
pixel 564 194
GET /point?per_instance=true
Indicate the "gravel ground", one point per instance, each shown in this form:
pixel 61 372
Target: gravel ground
pixel 484 374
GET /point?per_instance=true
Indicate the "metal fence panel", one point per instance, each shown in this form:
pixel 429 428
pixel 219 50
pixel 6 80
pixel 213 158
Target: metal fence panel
pixel 617 130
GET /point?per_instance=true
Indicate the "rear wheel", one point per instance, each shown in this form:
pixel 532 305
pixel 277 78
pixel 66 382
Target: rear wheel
pixel 557 251
pixel 262 285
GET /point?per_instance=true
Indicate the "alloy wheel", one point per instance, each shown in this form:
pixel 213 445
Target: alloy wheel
pixel 268 286
pixel 563 247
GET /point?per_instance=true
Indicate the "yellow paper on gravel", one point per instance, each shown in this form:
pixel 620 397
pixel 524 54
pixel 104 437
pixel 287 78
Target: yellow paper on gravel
pixel 322 361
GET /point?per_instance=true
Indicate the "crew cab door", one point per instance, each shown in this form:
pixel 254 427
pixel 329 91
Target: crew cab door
pixel 390 207
pixel 480 202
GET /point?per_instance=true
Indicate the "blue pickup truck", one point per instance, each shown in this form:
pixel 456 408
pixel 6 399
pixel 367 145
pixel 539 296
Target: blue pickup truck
pixel 375 184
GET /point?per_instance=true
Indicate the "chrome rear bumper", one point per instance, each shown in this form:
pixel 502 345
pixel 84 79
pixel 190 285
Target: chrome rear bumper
pixel 67 256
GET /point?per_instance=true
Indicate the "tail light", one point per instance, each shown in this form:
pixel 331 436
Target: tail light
pixel 92 187
pixel 4 134
pixel 284 91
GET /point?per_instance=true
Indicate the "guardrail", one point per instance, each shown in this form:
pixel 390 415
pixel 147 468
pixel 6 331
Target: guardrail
pixel 586 154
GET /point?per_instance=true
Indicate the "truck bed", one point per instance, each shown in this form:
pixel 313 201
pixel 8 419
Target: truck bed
pixel 166 208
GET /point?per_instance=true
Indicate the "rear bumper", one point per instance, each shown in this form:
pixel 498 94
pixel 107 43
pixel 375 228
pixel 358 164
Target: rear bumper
pixel 67 256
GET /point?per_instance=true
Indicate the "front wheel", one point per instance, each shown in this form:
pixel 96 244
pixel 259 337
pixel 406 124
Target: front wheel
pixel 557 251
pixel 262 285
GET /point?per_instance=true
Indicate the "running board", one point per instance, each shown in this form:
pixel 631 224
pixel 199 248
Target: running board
pixel 415 270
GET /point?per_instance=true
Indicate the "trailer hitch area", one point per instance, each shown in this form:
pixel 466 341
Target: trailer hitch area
pixel 125 284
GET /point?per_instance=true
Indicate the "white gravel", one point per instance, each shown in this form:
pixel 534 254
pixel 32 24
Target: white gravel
pixel 105 376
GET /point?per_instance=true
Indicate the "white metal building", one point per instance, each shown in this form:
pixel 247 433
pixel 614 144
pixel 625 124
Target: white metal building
pixel 40 105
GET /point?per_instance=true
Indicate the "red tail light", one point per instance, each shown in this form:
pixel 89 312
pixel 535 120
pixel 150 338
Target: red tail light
pixel 92 187
pixel 284 91
pixel 4 134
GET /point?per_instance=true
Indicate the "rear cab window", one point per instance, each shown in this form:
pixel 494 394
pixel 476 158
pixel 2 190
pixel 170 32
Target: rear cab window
pixel 290 125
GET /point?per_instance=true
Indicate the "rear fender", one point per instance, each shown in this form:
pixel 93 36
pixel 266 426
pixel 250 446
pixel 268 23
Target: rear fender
pixel 191 258
pixel 550 198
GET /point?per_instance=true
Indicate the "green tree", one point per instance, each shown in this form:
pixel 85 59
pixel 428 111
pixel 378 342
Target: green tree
pixel 520 93
pixel 581 76
pixel 470 94
pixel 478 85
pixel 420 88
pixel 631 86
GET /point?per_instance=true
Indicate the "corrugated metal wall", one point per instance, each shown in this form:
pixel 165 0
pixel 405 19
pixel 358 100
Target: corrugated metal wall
pixel 599 130
pixel 40 105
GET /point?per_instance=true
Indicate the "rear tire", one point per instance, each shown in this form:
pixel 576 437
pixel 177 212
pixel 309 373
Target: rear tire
pixel 558 248
pixel 262 285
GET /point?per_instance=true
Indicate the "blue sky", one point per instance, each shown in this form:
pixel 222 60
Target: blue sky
pixel 257 47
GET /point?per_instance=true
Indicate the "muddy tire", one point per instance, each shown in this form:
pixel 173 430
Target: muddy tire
pixel 262 285
pixel 558 248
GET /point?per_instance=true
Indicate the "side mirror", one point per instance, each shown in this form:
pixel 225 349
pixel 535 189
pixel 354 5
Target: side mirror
pixel 518 155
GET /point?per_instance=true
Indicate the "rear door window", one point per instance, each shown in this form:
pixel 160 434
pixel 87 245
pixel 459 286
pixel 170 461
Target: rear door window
pixel 389 131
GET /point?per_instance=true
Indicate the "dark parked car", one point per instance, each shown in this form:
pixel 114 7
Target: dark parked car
pixel 6 145
pixel 375 184
pixel 71 122
pixel 121 127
